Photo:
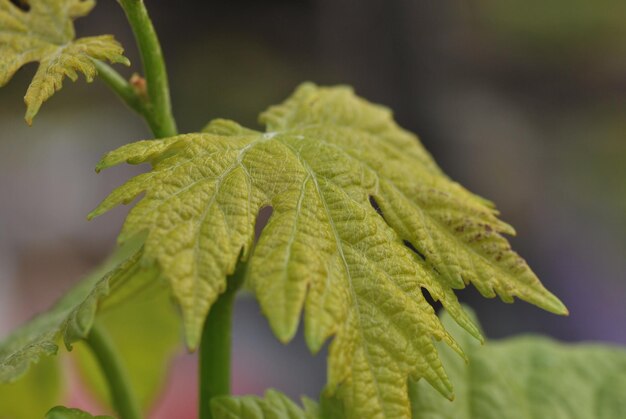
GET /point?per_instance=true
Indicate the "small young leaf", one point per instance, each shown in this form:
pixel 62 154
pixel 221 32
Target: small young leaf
pixel 527 378
pixel 45 33
pixel 275 405
pixel 60 412
pixel 325 156
pixel 72 317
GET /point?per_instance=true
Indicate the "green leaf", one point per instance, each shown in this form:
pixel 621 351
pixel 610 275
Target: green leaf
pixel 527 378
pixel 145 333
pixel 45 33
pixel 17 400
pixel 60 412
pixel 326 153
pixel 275 405
pixel 72 317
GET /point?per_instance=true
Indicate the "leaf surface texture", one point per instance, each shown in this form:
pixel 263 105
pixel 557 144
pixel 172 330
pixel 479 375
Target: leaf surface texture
pixel 326 156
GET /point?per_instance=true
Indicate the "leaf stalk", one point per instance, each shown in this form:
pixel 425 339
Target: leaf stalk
pixel 125 91
pixel 122 395
pixel 159 106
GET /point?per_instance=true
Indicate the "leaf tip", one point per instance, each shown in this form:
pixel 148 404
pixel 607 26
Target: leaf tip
pixel 284 329
pixel 314 344
pixel 98 211
pixel 32 107
pixel 564 311
pixel 29 118
pixel 554 305
pixel 192 335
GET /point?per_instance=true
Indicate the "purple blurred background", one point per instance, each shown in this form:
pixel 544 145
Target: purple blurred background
pixel 523 102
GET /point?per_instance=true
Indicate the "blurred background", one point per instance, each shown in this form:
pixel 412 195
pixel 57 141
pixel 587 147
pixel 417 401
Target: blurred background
pixel 523 102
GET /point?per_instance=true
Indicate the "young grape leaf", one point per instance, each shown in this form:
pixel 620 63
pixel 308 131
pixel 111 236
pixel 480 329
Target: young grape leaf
pixel 45 33
pixel 61 412
pixel 325 158
pixel 275 405
pixel 527 377
pixel 72 317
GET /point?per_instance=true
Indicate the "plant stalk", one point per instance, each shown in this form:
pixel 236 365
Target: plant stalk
pixel 156 109
pixel 215 346
pixel 159 104
pixel 122 395
pixel 125 91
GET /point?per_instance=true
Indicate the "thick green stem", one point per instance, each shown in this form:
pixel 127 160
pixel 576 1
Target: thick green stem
pixel 159 104
pixel 122 396
pixel 215 346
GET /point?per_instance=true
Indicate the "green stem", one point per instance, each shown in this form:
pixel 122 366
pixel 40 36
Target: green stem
pixel 128 94
pixel 215 346
pixel 160 105
pixel 125 91
pixel 122 395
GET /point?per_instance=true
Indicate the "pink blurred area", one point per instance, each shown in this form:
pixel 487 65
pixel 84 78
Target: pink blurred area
pixel 179 398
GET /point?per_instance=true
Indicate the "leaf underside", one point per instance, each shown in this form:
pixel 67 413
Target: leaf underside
pixel 45 33
pixel 527 377
pixel 325 157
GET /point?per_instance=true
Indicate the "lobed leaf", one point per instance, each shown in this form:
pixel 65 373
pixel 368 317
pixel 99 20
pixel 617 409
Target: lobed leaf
pixel 325 157
pixel 527 377
pixel 45 33
pixel 275 405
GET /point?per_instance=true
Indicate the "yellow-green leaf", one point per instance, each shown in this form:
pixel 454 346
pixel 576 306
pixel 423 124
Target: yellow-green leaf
pixel 325 157
pixel 45 33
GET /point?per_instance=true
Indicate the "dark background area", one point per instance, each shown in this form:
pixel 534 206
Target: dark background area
pixel 523 102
